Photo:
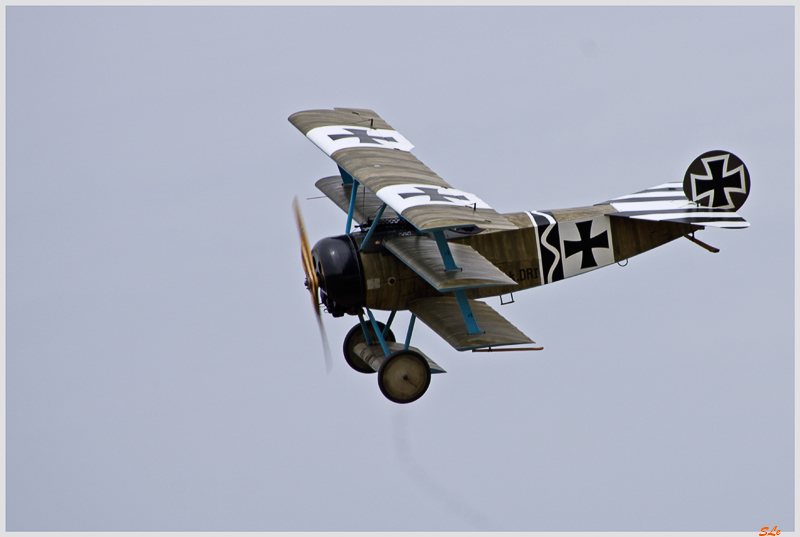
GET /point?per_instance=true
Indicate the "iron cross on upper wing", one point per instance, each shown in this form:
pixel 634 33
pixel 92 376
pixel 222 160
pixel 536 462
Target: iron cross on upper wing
pixel 363 136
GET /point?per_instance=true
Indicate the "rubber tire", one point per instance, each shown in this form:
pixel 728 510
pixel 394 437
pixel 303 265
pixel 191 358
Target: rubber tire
pixel 406 363
pixel 356 336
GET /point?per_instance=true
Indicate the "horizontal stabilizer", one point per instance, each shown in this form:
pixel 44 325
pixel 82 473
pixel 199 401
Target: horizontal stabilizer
pixel 422 255
pixel 367 203
pixel 443 316
pixel 668 203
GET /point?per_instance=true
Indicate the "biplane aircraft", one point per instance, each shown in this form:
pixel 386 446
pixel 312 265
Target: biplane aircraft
pixel 426 247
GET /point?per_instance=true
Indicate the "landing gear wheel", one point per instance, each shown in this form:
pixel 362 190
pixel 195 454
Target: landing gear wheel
pixel 356 336
pixel 404 376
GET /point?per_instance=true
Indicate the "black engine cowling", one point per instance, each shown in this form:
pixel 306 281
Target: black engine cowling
pixel 337 263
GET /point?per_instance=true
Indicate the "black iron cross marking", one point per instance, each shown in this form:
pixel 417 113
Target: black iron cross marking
pixel 718 183
pixel 433 194
pixel 585 244
pixel 363 137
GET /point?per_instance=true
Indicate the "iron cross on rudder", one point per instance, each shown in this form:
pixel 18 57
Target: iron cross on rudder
pixel 718 184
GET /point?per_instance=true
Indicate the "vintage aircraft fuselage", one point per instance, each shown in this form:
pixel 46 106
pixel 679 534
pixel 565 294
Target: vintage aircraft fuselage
pixel 547 247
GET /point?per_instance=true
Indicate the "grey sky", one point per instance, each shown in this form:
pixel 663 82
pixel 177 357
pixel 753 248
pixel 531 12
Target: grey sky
pixel 163 367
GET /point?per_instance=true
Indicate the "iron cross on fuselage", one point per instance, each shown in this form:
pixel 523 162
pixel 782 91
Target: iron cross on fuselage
pixel 363 137
pixel 586 244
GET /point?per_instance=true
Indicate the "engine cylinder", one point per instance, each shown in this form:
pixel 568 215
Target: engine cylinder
pixel 341 275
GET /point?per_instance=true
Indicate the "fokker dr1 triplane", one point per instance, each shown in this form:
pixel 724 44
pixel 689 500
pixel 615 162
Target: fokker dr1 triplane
pixel 426 247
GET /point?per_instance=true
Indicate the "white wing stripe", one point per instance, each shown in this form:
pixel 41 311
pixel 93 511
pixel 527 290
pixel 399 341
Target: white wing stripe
pixel 333 138
pixel 401 197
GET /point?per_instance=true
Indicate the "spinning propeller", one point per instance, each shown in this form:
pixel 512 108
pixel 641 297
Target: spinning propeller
pixel 312 281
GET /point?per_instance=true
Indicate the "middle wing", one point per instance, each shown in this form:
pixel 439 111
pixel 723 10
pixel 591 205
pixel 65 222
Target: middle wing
pixel 370 152
pixel 423 256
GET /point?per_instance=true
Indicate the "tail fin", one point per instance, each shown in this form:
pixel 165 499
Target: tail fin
pixel 715 186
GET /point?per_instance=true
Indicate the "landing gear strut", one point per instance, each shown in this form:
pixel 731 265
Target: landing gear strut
pixel 404 372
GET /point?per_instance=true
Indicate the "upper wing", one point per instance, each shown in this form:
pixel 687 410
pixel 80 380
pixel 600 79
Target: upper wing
pixel 367 148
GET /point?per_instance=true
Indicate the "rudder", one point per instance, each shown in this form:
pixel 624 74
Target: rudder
pixel 718 180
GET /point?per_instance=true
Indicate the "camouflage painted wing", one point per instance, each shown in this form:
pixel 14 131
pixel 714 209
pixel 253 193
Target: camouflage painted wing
pixel 369 151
